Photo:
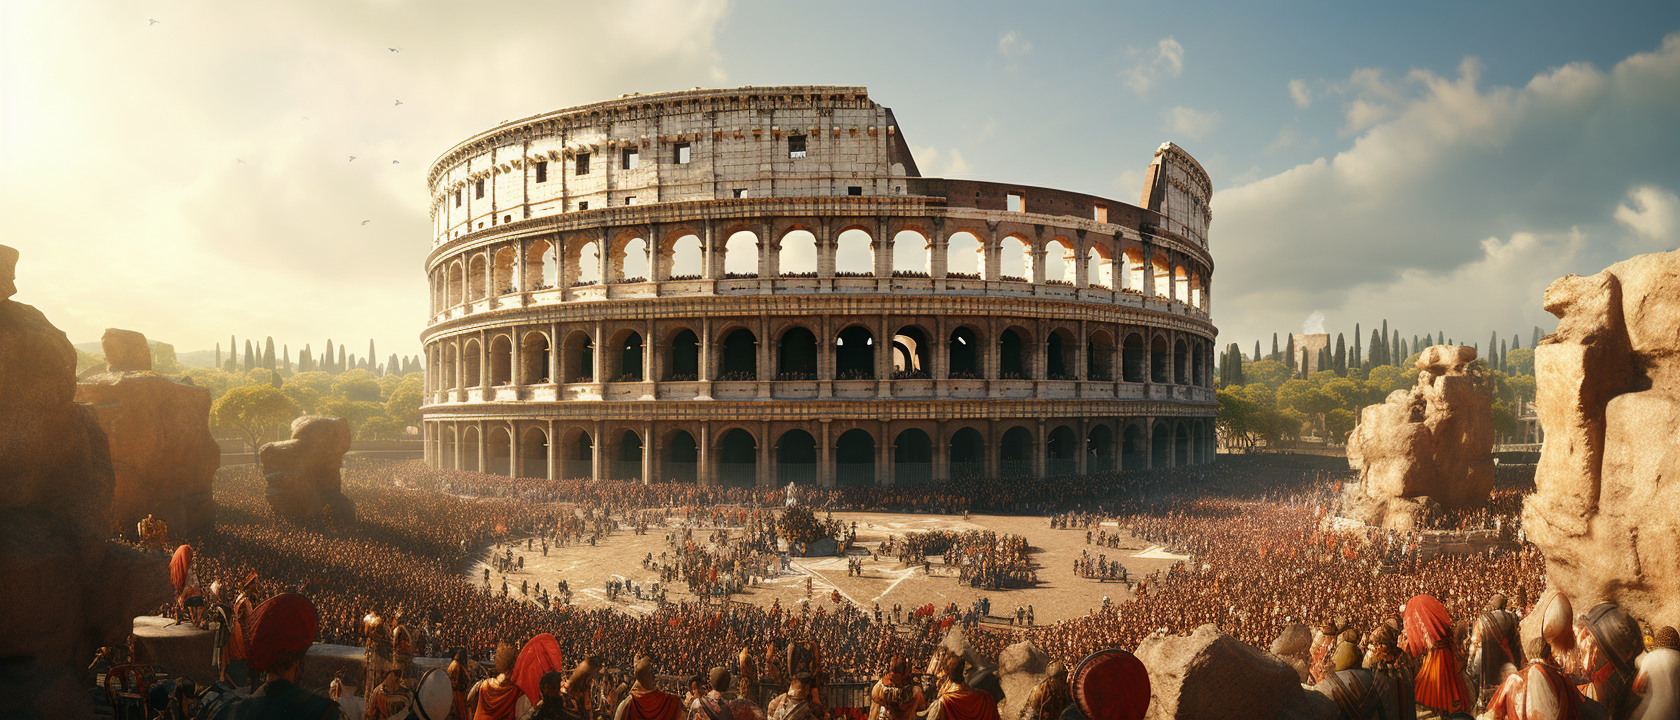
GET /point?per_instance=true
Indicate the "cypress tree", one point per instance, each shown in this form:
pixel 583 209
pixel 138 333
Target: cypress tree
pixel 1355 360
pixel 1376 348
pixel 1503 354
pixel 1237 364
pixel 371 355
pixel 268 353
pixel 1415 346
pixel 218 355
pixel 341 365
pixel 1493 351
pixel 304 360
pixel 1388 349
pixel 1274 355
pixel 250 357
pixel 1256 356
pixel 1290 351
pixel 1536 341
pixel 1341 357
pixel 286 357
pixel 1516 341
pixel 391 366
pixel 1395 345
pixel 327 359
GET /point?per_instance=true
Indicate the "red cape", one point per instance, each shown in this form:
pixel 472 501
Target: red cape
pixel 539 657
pixel 969 704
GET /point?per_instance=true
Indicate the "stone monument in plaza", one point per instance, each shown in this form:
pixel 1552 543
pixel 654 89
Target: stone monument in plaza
pixel 1430 445
pixel 1603 510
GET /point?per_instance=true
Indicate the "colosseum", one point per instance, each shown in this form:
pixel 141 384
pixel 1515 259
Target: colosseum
pixel 756 286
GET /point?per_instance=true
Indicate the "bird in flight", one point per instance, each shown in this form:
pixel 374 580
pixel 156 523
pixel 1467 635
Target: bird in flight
pixel 364 222
pixel 306 117
pixel 399 102
pixel 394 162
pixel 241 162
pixel 153 22
pixel 393 49
pixel 352 158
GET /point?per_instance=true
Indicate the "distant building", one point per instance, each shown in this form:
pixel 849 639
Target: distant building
pixel 1307 348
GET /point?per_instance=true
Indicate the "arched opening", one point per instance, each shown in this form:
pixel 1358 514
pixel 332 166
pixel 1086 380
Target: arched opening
pixel 450 378
pixel 1014 260
pixel 498 448
pixel 1181 285
pixel 1133 449
pixel 796 458
pixel 912 255
pixel 1132 360
pixel 797 256
pixel 964 354
pixel 968 454
pixel 1158 360
pixel 1181 361
pixel 683 462
pixel 912 458
pixel 455 283
pixel 579 354
pixel 687 259
pixel 1196 371
pixel 588 264
pixel 854 254
pixel 1012 363
pixel 626 357
pixel 1196 457
pixel 1099 357
pixel 633 262
pixel 685 357
pixel 1134 270
pixel 740 356
pixel 539 272
pixel 579 458
pixel 501 361
pixel 1099 267
pixel 1160 446
pixel 1057 363
pixel 854 354
pixel 1196 292
pixel 1015 453
pixel 1099 449
pixel 469 450
pixel 737 459
pixel 474 359
pixel 533 353
pixel 1061 452
pixel 740 255
pixel 476 277
pixel 854 459
pixel 965 256
pixel 911 356
pixel 446 453
pixel 533 453
pixel 796 355
pixel 1061 264
pixel 1181 445
pixel 1163 276
pixel 628 463
pixel 501 280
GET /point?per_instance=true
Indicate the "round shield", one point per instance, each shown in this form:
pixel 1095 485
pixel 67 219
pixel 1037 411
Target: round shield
pixel 1111 685
pixel 434 696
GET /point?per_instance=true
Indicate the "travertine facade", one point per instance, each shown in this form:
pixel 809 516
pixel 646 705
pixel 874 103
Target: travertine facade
pixel 755 286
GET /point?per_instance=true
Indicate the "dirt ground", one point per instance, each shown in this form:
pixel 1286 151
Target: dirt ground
pixel 1059 594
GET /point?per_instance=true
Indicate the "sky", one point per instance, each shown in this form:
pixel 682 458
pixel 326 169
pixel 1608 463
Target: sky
pixel 183 168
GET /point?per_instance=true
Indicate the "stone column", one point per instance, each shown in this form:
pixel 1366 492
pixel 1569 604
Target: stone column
pixel 1148 252
pixel 761 355
pixel 708 254
pixel 483 446
pixel 761 469
pixel 455 462
pixel 883 249
pixel 1041 450
pixel 1037 253
pixel 991 261
pixel 485 392
pixel 704 474
pixel 599 368
pixel 597 454
pixel 553 454
pixel 940 261
pixel 1083 447
pixel 519 268
pixel 886 453
pixel 992 443
pixel 650 360
pixel 825 251
pixel 825 463
pixel 1081 261
pixel 647 453
pixel 941 452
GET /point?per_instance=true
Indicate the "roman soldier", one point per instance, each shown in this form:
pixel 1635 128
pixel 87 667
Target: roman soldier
pixel 646 700
pixel 376 649
pixel 1495 651
pixel 460 681
pixel 496 697
pixel 282 629
pixel 576 700
pixel 1540 691
pixel 1049 698
pixel 958 701
pixel 402 645
pixel 895 696
pixel 798 703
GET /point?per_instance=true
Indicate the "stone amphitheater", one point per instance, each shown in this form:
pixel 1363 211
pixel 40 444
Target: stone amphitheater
pixel 756 286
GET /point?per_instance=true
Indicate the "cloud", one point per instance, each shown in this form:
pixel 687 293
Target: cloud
pixel 1286 137
pixel 1189 122
pixel 1165 60
pixel 934 163
pixel 1314 324
pixel 1460 207
pixel 1302 94
pixel 1653 217
pixel 1010 45
pixel 166 230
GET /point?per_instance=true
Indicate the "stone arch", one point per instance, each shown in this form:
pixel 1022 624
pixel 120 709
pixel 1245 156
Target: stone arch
pixel 469 450
pixel 1181 285
pixel 440 291
pixel 854 353
pixel 740 254
pixel 738 355
pixel 624 357
pixel 501 276
pixel 534 358
pixel 682 457
pixel 1133 272
pixel 1134 362
pixel 579 355
pixel 854 459
pixel 1061 262
pixel 796 458
pixel 1181 445
pixel 796 354
pixel 912 353
pixel 456 281
pixel 737 458
pixel 967 453
pixel 684 349
pixel 964 353
pixel 912 254
pixel 584 262
pixel 533 453
pixel 632 263
pixel 501 360
pixel 1196 295
pixel 1015 262
pixel 473 357
pixel 1099 356
pixel 1061 451
pixel 627 456
pixel 684 257
pixel 1015 452
pixel 912 458
pixel 446 447
pixel 1196 372
pixel 1134 448
pixel 1099 448
pixel 539 270
pixel 1163 276
pixel 965 256
pixel 854 253
pixel 577 454
pixel 1060 353
pixel 1014 354
pixel 1158 359
pixel 1160 446
pixel 796 254
pixel 451 380
pixel 476 270
pixel 1181 362
pixel 1099 267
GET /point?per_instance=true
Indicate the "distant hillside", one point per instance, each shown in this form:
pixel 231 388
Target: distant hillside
pixel 192 359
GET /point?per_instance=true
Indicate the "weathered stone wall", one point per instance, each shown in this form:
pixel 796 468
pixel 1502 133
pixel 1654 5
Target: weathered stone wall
pixel 1603 510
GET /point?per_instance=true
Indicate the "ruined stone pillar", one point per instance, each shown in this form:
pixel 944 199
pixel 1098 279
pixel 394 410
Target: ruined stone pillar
pixel 709 254
pixel 648 455
pixel 1041 450
pixel 825 463
pixel 552 454
pixel 597 453
pixel 941 452
pixel 939 246
pixel 598 366
pixel 705 474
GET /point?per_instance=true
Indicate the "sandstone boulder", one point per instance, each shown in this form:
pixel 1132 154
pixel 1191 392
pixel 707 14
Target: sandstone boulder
pixel 1208 674
pixel 64 588
pixel 1609 401
pixel 1430 445
pixel 125 351
pixel 161 447
pixel 1294 646
pixel 1021 667
pixel 303 473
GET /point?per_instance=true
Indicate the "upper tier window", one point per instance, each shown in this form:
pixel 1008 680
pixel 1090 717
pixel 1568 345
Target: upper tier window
pixel 683 153
pixel 796 146
pixel 583 163
pixel 478 190
pixel 542 172
pixel 632 158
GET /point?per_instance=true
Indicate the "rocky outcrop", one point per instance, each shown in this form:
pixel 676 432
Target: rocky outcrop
pixel 303 473
pixel 159 434
pixel 1021 667
pixel 1294 647
pixel 64 588
pixel 1431 445
pixel 1209 674
pixel 1609 402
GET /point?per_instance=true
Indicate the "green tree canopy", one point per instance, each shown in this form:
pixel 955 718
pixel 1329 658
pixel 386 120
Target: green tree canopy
pixel 254 412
